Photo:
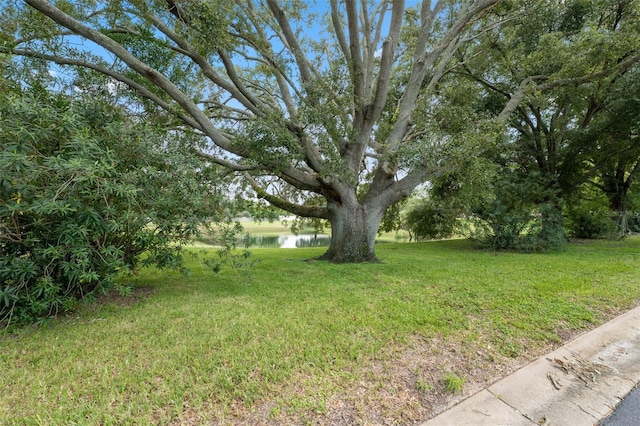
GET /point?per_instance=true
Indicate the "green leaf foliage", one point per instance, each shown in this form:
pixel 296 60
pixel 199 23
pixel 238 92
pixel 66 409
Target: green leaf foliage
pixel 85 190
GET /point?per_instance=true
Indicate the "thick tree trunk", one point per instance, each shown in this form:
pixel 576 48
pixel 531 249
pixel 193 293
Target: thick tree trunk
pixel 616 188
pixel 618 205
pixel 623 223
pixel 353 233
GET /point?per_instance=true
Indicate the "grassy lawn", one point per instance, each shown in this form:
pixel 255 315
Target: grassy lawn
pixel 308 342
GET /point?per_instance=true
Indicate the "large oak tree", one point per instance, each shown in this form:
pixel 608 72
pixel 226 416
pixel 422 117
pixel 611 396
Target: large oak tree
pixel 296 100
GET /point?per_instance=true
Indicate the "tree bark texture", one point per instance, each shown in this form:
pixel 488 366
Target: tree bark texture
pixel 353 233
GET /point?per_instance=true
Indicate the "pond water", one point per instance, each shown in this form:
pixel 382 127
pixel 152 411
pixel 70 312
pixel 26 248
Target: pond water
pixel 287 241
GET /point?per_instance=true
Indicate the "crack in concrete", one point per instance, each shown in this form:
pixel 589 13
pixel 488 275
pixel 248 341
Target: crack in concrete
pixel 588 413
pixel 512 407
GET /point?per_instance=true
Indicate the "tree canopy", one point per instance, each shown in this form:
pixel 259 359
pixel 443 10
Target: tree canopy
pixel 572 60
pixel 297 114
pixel 343 103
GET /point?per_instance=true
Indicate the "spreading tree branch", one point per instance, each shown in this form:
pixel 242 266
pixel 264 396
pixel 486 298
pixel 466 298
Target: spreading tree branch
pixel 147 72
pixel 140 89
pixel 528 84
pixel 300 210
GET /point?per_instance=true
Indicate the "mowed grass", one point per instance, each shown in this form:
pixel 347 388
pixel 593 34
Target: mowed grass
pixel 294 332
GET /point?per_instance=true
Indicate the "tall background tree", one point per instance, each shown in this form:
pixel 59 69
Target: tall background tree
pixel 615 146
pixel 564 72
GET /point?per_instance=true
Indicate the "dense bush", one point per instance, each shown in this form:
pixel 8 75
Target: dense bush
pixel 85 189
pixel 428 220
pixel 585 222
pixel 512 220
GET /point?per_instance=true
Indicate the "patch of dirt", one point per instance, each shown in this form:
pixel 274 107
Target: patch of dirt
pixel 409 388
pixel 115 298
pixel 404 387
pixel 567 334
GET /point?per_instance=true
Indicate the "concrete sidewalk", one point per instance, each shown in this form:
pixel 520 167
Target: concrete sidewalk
pixel 578 384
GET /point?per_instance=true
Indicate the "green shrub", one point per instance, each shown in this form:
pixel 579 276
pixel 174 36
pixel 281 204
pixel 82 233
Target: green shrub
pixel 85 189
pixel 517 218
pixel 585 222
pixel 431 221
